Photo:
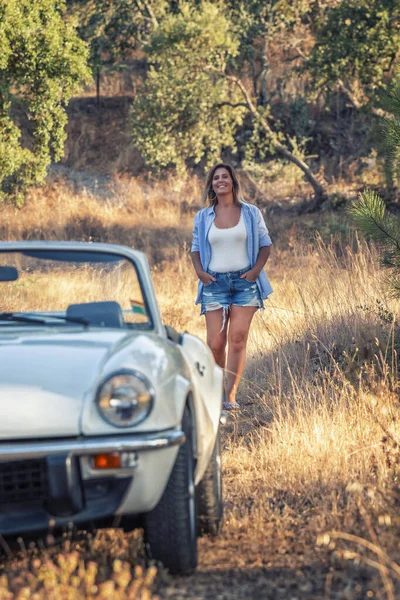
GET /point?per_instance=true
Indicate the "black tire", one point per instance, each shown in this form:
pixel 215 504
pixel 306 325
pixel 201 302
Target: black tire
pixel 170 528
pixel 210 509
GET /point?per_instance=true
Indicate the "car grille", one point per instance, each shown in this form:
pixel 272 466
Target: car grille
pixel 23 481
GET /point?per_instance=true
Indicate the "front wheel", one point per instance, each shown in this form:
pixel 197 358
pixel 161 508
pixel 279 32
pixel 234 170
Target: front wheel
pixel 170 528
pixel 210 509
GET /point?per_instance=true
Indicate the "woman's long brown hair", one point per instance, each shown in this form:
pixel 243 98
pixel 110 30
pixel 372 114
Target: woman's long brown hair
pixel 210 197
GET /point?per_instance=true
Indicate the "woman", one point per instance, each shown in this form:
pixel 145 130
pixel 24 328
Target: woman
pixel 230 247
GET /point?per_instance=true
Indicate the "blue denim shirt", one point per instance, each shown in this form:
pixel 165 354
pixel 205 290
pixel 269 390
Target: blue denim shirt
pixel 257 237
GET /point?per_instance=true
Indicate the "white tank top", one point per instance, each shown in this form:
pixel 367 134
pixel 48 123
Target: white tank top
pixel 228 248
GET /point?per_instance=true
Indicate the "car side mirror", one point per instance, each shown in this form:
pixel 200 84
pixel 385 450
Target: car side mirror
pixel 8 274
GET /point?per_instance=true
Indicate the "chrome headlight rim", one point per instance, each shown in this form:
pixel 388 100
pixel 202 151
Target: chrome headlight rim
pixel 140 376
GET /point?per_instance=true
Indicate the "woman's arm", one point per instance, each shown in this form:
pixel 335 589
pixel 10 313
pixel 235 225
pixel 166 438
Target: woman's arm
pixel 198 267
pixel 263 233
pixel 262 258
pixel 205 277
pixel 264 251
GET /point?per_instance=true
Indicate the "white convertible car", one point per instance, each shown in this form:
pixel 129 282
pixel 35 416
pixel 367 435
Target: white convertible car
pixel 107 416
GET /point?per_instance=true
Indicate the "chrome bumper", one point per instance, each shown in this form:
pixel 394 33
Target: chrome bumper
pixel 95 445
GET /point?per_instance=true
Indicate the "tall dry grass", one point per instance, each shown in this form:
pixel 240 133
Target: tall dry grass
pixel 321 371
pixel 318 435
pixel 139 213
pixel 317 441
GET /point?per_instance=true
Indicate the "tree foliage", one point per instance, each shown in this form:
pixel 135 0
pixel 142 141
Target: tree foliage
pixel 390 126
pixel 187 110
pixel 377 224
pixel 196 96
pixel 42 62
pixel 216 75
pixel 113 27
pixel 370 213
pixel 208 82
pixel 356 47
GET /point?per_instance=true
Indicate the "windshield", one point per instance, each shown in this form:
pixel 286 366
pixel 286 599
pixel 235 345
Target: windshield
pixel 67 287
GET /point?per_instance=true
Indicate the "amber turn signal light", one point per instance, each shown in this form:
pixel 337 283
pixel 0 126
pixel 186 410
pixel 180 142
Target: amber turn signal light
pixel 107 461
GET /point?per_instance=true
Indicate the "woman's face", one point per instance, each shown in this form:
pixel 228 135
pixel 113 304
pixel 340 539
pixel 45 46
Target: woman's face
pixel 222 182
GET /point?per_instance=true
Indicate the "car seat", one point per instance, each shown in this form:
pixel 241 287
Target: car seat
pixel 103 314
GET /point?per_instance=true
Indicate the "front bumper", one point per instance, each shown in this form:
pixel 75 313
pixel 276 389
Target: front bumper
pixel 88 446
pixel 47 483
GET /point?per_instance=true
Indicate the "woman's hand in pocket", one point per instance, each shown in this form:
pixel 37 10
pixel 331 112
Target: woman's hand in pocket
pixel 205 277
pixel 250 276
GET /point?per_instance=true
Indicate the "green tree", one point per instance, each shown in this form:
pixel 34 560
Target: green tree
pixel 390 127
pixel 42 63
pixel 259 25
pixel 113 28
pixel 357 47
pixel 370 214
pixel 196 95
pixel 186 109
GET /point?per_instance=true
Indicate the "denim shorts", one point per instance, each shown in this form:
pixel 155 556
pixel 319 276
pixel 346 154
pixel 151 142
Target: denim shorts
pixel 228 290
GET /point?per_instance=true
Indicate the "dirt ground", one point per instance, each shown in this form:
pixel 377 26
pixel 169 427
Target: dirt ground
pixel 269 548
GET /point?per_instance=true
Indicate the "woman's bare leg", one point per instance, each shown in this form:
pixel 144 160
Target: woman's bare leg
pixel 239 325
pixel 216 339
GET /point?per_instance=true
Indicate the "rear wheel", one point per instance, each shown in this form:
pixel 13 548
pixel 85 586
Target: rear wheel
pixel 170 528
pixel 210 509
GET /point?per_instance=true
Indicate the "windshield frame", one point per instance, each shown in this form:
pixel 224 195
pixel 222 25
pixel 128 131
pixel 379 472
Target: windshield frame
pixel 136 257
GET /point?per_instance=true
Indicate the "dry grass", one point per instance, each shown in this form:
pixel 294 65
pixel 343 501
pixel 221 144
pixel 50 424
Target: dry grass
pixel 133 212
pixel 315 449
pixel 51 288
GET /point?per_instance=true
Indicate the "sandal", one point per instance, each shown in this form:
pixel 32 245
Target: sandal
pixel 230 405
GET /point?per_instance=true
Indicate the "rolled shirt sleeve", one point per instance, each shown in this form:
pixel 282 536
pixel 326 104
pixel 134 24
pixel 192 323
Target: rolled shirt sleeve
pixel 195 233
pixel 263 235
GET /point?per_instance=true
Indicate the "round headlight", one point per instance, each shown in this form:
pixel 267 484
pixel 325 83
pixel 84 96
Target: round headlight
pixel 125 399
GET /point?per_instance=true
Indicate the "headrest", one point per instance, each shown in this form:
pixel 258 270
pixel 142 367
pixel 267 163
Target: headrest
pixel 104 314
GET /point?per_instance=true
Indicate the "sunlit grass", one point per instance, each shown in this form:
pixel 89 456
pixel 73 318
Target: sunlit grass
pixel 319 394
pixel 48 287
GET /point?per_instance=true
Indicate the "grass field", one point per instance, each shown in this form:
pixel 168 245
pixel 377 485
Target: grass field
pixel 311 463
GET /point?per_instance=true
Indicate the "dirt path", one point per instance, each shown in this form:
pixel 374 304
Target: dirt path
pixel 268 549
pixel 234 566
pixel 220 576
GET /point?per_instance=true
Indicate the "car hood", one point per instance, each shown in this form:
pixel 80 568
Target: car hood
pixel 44 378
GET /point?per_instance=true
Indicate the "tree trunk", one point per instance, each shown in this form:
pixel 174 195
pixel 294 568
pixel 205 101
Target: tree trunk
pixel 98 86
pixel 378 112
pixel 320 192
pixel 263 94
pixel 319 189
